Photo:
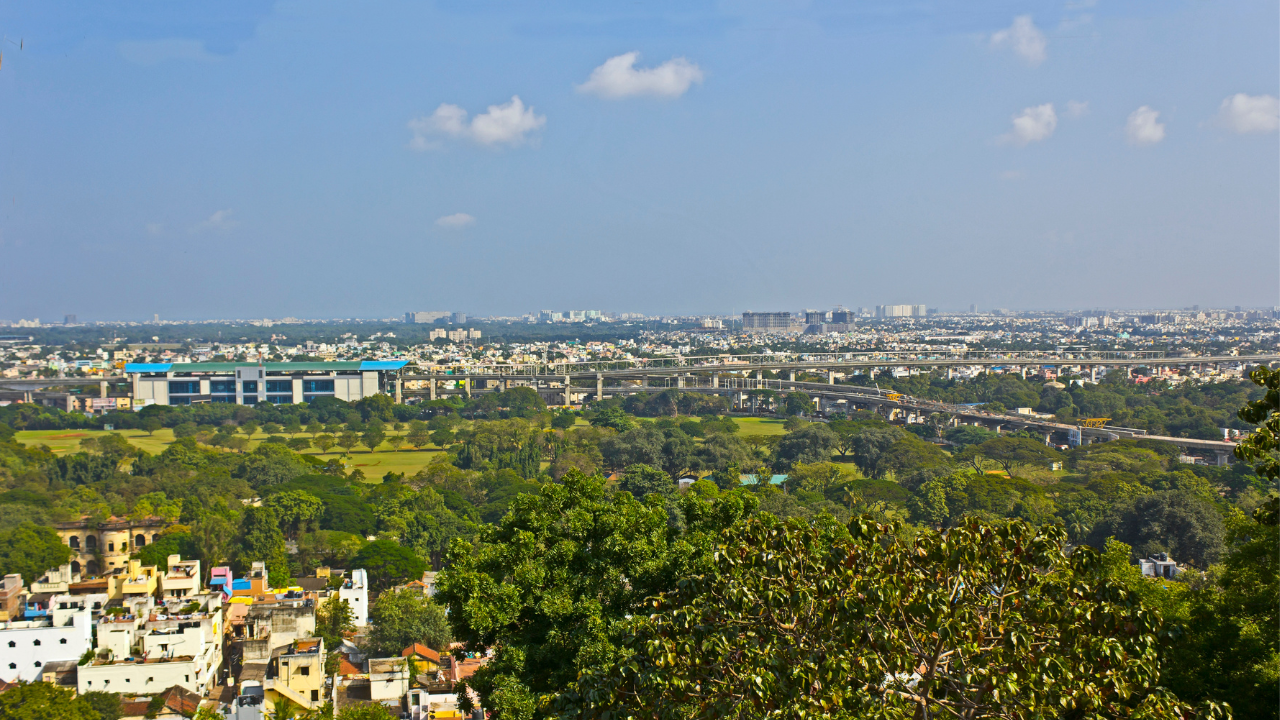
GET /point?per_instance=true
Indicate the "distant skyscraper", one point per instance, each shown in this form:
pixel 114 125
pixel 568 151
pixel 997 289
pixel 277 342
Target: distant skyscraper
pixel 424 317
pixel 890 311
pixel 765 321
pixel 69 320
pixel 459 317
pixel 973 309
pixel 155 318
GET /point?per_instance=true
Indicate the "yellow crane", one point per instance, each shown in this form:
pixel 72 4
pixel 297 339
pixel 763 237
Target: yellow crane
pixel 1094 422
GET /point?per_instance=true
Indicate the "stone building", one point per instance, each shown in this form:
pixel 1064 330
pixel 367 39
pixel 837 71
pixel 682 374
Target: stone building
pixel 101 547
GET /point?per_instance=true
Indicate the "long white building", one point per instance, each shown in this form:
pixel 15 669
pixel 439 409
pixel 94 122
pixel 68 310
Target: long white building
pixel 249 384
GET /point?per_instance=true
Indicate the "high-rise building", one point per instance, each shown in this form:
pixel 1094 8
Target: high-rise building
pixel 841 316
pixel 814 317
pixel 892 311
pixel 458 318
pixel 69 320
pixel 424 317
pixel 766 321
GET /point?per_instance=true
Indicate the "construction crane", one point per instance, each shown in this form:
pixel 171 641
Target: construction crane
pixel 1094 422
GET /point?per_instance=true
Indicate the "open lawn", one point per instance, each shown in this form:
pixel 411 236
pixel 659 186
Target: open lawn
pixel 759 426
pixel 373 465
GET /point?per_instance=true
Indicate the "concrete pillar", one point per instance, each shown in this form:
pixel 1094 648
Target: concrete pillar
pixel 791 375
pixel 715 380
pixel 466 386
pixel 568 392
pixel 431 388
pixel 1093 373
pixel 831 377
pixel 102 388
pixel 399 397
pixel 644 381
pixel 599 386
pixel 680 381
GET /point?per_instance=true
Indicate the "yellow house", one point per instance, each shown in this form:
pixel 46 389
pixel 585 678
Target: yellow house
pixel 138 580
pixel 297 673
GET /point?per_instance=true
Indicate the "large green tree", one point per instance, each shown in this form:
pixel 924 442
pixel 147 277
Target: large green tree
pixel 797 620
pixel 1178 522
pixel 31 550
pixel 548 588
pixel 399 619
pixel 42 701
pixel 261 539
pixel 388 562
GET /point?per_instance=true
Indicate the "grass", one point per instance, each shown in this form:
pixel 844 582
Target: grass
pixel 759 426
pixel 374 465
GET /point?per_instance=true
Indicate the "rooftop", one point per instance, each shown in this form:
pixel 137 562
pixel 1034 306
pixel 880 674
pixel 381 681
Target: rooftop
pixel 271 367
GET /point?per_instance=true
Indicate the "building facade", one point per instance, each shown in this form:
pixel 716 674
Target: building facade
pixel 26 646
pixel 766 321
pixel 246 384
pixel 100 547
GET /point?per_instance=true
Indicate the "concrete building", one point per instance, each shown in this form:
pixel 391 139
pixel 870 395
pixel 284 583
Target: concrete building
pixel 182 579
pixel 766 321
pixel 355 590
pixel 815 317
pixel 26 646
pixel 167 647
pixel 12 598
pixel 893 311
pixel 249 384
pixel 136 581
pixel 111 540
pixel 424 317
pixel 296 672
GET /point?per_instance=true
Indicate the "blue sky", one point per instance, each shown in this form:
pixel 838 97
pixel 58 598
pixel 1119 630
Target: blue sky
pixel 339 159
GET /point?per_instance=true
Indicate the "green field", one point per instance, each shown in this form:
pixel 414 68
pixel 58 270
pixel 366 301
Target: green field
pixel 374 465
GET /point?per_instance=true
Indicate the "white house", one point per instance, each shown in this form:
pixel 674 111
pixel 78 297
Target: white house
pixel 169 648
pixel 27 645
pixel 355 590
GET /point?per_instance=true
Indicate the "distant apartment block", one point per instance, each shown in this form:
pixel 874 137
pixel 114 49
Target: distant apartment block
pixel 243 384
pixel 895 311
pixel 766 321
pixel 424 317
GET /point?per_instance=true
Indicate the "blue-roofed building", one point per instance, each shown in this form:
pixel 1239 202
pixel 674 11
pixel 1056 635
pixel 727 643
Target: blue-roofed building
pixel 249 384
pixel 752 480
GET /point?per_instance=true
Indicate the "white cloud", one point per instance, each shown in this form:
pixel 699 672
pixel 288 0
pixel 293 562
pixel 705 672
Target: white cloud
pixel 1077 109
pixel 1144 127
pixel 220 220
pixel 456 220
pixel 151 52
pixel 1033 124
pixel 1242 113
pixel 500 124
pixel 1025 39
pixel 618 78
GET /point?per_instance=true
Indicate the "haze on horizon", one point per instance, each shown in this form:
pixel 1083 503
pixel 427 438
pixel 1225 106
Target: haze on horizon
pixel 334 160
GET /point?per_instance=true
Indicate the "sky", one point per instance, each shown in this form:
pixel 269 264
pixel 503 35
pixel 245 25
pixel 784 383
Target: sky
pixel 323 160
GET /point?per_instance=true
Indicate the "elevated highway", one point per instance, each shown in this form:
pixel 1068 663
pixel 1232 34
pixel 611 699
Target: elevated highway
pixel 841 399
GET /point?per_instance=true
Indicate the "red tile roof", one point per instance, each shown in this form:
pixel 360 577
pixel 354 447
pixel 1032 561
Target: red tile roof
pixel 421 651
